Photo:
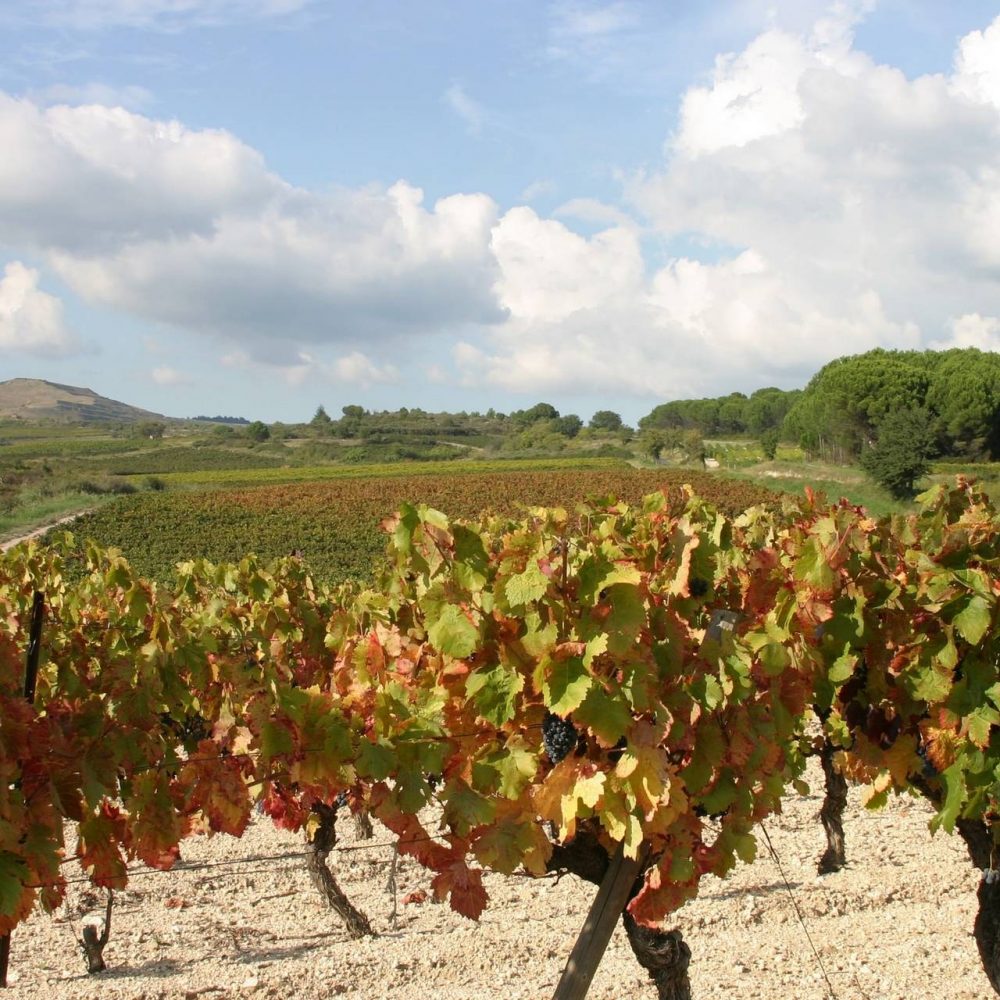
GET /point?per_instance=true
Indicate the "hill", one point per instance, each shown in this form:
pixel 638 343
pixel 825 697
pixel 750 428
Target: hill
pixel 36 399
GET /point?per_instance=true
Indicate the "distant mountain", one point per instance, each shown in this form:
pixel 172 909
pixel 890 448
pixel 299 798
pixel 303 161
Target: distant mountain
pixel 35 399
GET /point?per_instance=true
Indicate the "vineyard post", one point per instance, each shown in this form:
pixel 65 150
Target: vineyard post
pixel 30 680
pixel 613 894
pixel 34 646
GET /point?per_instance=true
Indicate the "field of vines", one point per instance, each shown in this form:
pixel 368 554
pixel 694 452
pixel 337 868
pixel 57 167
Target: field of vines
pixel 335 523
pixel 626 693
pixel 295 473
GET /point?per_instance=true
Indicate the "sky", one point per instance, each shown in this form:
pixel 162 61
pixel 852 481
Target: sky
pixel 256 207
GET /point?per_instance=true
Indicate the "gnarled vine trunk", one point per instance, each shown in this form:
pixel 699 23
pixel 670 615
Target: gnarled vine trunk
pixel 320 845
pixel 979 843
pixel 832 814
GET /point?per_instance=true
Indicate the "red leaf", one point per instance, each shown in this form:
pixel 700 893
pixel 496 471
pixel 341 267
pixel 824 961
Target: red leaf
pixel 465 887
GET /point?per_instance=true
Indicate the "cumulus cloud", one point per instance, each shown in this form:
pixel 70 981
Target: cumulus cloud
pixel 972 330
pixel 189 227
pixel 868 202
pixel 843 207
pixel 31 321
pixel 835 204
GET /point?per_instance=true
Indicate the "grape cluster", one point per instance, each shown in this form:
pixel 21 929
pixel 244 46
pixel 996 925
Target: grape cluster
pixel 559 736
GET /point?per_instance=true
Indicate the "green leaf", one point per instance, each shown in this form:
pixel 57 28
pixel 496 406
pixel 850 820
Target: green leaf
pixel 928 683
pixel 517 767
pixel 528 586
pixel 812 566
pixel 954 785
pixel 374 761
pixel 682 868
pixel 627 618
pixel 13 875
pixel 607 718
pixel 980 723
pixel 595 647
pixel 494 692
pixel 565 684
pixel 465 809
pixel 774 659
pixel 709 748
pixel 843 666
pixel 974 620
pixel 275 740
pixel 722 794
pixel 453 634
pixel 471 561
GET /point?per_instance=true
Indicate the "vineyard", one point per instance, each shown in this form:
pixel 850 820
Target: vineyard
pixel 335 522
pixel 616 687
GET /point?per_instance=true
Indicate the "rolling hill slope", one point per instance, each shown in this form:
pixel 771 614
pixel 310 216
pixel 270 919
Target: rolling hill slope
pixel 36 399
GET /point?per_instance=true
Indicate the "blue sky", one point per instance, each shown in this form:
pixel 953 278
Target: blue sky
pixel 258 206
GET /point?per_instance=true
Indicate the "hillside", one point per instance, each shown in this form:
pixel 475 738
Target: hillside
pixel 36 399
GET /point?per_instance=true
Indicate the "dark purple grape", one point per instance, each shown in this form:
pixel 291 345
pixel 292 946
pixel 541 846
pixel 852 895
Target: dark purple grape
pixel 559 737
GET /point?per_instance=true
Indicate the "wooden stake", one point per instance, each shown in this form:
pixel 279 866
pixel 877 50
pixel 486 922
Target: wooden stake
pixel 612 897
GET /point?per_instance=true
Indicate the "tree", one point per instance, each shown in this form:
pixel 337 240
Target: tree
pixel 900 455
pixel 540 411
pixel 321 419
pixel 605 420
pixel 151 429
pixel 258 431
pixel 569 426
pixel 769 443
pixel 652 442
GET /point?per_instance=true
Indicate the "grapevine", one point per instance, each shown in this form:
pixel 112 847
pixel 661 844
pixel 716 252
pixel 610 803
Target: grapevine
pixel 681 654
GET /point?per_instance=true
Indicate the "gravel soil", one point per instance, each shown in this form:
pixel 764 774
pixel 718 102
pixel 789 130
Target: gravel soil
pixel 897 923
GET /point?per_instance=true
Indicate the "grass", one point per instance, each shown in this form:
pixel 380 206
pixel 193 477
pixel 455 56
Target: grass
pixel 45 511
pixel 835 481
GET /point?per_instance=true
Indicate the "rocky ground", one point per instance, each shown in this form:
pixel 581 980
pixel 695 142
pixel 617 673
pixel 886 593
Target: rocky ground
pixel 896 924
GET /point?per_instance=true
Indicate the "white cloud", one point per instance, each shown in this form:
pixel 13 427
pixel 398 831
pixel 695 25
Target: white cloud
pixel 977 65
pixel 188 227
pixel 972 330
pixel 359 369
pixel 844 207
pixel 869 204
pixel 31 321
pixel 93 177
pixel 548 272
pixel 837 204
pixel 470 111
pixel 165 375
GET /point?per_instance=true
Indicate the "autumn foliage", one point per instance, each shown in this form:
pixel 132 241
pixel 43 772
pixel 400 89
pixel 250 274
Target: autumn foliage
pixel 164 712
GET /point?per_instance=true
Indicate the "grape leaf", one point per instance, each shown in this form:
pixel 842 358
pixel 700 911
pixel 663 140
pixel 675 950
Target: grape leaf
pixel 453 633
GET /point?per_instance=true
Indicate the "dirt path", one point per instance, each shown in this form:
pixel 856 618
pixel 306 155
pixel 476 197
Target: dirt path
pixel 895 925
pixel 38 532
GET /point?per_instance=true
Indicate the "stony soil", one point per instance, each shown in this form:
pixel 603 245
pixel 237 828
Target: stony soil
pixel 896 924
